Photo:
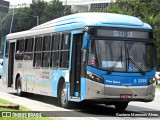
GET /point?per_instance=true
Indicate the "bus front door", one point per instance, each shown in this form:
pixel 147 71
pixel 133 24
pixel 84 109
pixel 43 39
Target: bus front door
pixel 75 74
pixel 11 64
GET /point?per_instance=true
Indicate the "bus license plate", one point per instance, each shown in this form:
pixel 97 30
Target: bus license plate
pixel 126 96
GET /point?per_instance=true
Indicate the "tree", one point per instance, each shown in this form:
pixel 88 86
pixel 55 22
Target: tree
pixel 25 18
pixel 55 9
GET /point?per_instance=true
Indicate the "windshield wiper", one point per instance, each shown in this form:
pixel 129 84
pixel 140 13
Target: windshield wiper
pixel 130 59
pixel 114 65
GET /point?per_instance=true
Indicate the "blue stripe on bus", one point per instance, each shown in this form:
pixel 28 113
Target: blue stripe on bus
pixel 120 79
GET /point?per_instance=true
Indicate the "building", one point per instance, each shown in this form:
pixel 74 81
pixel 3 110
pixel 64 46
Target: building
pixel 85 5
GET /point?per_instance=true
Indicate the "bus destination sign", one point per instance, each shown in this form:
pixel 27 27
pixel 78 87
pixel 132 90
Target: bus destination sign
pixel 123 34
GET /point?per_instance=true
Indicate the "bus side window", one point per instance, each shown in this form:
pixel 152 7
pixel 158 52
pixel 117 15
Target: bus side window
pixel 65 48
pixel 19 49
pixel 55 51
pixel 38 44
pixel 20 46
pixel 37 60
pixel 46 51
pixel 93 60
pixel 29 45
pixel 38 52
pixel 28 49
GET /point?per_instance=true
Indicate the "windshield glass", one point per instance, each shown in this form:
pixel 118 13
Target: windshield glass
pixel 113 55
pixel 142 55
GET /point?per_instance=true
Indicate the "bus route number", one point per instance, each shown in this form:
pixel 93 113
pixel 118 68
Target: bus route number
pixel 123 34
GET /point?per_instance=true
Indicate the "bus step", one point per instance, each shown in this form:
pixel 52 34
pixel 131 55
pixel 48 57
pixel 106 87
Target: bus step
pixel 73 97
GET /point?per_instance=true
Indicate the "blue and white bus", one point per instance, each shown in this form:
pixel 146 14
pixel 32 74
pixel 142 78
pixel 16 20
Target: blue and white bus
pixel 100 57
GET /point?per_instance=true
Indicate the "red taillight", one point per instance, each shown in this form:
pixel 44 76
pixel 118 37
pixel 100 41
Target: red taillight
pixel 92 62
pixel 158 79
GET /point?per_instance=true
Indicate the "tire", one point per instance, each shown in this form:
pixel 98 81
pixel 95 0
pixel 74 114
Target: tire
pixel 121 106
pixel 62 98
pixel 19 87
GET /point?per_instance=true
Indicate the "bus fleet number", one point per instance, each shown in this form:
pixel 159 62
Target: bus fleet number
pixel 140 80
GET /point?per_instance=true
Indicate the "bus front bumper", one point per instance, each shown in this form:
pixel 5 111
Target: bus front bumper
pixel 97 91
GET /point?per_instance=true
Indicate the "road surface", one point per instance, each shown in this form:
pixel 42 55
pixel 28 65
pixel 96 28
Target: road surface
pixel 84 111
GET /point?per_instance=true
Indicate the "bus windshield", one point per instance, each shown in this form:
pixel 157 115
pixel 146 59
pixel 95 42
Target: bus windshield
pixel 121 56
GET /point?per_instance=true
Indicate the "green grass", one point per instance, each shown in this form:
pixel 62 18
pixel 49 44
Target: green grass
pixel 158 86
pixel 22 108
pixel 4 101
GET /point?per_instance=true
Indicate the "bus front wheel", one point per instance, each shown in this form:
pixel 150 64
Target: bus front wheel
pixel 121 106
pixel 63 97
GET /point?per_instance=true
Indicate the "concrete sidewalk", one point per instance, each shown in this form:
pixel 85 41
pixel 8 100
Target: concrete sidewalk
pixel 40 106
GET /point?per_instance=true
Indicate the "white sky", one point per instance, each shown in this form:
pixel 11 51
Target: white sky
pixel 16 2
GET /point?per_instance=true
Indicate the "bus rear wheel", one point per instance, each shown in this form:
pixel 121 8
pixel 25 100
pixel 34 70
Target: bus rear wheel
pixel 63 97
pixel 19 87
pixel 121 106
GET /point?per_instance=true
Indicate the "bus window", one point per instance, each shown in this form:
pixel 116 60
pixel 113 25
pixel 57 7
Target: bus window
pixel 37 53
pixel 65 42
pixel 19 49
pixel 92 60
pixel 28 49
pixel 29 45
pixel 38 44
pixel 28 56
pixel 55 42
pixel 46 55
pixel 45 59
pixel 55 51
pixel 65 46
pixel 37 60
pixel 64 59
pixel 46 43
pixel 20 46
pixel 54 59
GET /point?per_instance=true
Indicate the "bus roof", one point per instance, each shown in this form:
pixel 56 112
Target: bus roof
pixel 80 20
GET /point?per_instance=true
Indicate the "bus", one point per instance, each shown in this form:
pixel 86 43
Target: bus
pixel 97 57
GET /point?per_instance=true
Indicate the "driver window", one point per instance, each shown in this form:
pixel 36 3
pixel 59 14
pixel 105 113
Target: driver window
pixel 93 54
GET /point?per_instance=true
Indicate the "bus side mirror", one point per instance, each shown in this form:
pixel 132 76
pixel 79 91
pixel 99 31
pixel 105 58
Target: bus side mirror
pixel 86 39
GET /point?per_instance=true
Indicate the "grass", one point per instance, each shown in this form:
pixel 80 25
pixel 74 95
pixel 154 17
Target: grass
pixel 21 109
pixel 158 86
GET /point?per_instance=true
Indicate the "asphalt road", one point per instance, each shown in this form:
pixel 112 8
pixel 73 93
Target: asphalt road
pixel 84 111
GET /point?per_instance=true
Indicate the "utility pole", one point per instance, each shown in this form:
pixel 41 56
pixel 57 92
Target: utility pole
pixel 65 7
pixel 12 21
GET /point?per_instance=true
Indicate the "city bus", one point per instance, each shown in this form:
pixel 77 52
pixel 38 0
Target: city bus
pixel 97 57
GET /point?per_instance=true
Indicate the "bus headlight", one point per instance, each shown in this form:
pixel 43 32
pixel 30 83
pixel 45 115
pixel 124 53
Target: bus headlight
pixel 94 77
pixel 152 80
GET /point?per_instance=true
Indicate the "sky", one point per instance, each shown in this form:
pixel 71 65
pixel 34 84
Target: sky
pixel 16 2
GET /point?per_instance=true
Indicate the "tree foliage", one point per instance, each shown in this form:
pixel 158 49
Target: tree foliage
pixel 25 18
